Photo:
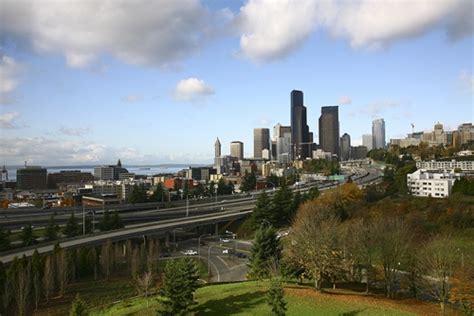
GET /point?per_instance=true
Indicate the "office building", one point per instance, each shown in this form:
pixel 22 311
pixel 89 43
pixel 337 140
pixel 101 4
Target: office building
pixel 358 152
pixel 261 141
pixel 345 147
pixel 465 166
pixel 329 129
pixel 217 148
pixel 466 133
pixel 111 172
pixel 237 149
pixel 437 185
pixel 378 133
pixel 367 141
pixel 300 147
pixel 31 177
pixel 68 177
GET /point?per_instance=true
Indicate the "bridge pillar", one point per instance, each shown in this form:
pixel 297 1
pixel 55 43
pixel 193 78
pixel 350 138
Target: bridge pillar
pixel 167 239
pixel 217 229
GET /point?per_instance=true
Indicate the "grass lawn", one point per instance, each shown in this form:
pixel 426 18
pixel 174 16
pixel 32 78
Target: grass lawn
pixel 248 298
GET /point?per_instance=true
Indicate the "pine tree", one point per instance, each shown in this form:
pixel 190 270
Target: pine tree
pixel 105 222
pixel 180 281
pixel 78 307
pixel 4 239
pixel 27 236
pixel 51 231
pixel 282 205
pixel 37 274
pixel 158 194
pixel 116 221
pixel 275 298
pixel 262 210
pixel 265 250
pixel 72 229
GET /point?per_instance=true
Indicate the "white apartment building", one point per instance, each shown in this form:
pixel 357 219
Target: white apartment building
pixel 464 166
pixel 437 185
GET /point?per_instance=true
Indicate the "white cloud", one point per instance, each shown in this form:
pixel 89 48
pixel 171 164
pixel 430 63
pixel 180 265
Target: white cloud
pixel 191 89
pixel 467 80
pixel 132 98
pixel 345 100
pixel 8 120
pixel 9 72
pixel 273 29
pixel 69 131
pixel 140 32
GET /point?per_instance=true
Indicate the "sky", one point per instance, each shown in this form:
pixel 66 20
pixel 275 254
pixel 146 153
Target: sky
pixel 149 82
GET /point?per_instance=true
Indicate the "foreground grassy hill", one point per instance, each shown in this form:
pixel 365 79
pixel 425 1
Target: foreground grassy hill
pixel 248 298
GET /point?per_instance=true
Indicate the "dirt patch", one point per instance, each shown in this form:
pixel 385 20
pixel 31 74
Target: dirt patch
pixel 409 305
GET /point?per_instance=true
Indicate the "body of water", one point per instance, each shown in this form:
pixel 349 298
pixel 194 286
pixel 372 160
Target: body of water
pixel 139 170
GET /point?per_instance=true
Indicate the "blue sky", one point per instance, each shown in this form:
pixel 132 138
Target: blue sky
pixel 157 82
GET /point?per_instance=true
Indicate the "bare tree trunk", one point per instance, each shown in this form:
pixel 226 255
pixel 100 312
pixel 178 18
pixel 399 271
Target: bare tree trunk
pixel 63 272
pixel 48 277
pixel 22 292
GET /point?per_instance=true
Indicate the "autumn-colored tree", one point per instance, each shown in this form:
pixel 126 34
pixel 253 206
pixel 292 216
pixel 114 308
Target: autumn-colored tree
pixel 462 288
pixel 143 284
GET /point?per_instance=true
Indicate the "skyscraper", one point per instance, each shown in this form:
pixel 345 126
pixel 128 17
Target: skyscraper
pixel 299 127
pixel 217 148
pixel 368 141
pixel 329 129
pixel 261 141
pixel 378 133
pixel 345 147
pixel 237 149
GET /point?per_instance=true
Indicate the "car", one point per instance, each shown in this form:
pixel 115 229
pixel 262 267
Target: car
pixel 241 255
pixel 225 251
pixel 190 252
pixel 225 240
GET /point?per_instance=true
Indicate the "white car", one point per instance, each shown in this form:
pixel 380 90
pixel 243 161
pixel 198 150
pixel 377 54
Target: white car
pixel 225 240
pixel 225 251
pixel 190 252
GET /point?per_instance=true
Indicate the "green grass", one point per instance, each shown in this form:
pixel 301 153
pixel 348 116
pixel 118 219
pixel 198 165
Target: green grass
pixel 248 298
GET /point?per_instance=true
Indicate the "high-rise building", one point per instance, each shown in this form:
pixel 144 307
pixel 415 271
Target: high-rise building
pixel 300 148
pixel 378 133
pixel 261 141
pixel 31 177
pixel 466 133
pixel 217 148
pixel 111 172
pixel 345 147
pixel 329 129
pixel 237 149
pixel 368 141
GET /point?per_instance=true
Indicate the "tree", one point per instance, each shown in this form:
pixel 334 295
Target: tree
pixel 180 281
pixel 3 287
pixel 282 207
pixel 37 276
pixel 78 307
pixel 262 210
pixel 144 284
pixel 4 239
pixel 265 250
pixel 393 241
pixel 48 276
pixel 275 298
pixel 315 245
pixel 105 258
pixel 22 286
pixel 63 271
pixel 51 231
pixel 72 229
pixel 138 194
pixel 249 182
pixel 116 221
pixel 27 236
pixel 159 194
pixel 438 260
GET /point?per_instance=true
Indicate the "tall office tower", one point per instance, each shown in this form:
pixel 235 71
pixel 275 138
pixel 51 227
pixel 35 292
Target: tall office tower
pixel 217 148
pixel 466 133
pixel 261 141
pixel 299 127
pixel 329 129
pixel 378 133
pixel 368 141
pixel 345 147
pixel 237 149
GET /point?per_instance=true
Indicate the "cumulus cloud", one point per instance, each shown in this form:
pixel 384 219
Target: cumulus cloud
pixel 8 120
pixel 9 72
pixel 192 89
pixel 69 131
pixel 132 98
pixel 344 100
pixel 467 81
pixel 140 32
pixel 274 29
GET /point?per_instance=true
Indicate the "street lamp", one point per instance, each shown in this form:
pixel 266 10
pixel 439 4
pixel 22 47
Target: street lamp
pixel 215 186
pixel 199 243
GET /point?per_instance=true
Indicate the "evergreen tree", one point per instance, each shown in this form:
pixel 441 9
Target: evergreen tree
pixel 37 275
pixel 105 222
pixel 249 182
pixel 27 236
pixel 51 231
pixel 265 251
pixel 78 307
pixel 138 194
pixel 4 239
pixel 262 210
pixel 312 194
pixel 116 221
pixel 3 288
pixel 180 281
pixel 275 298
pixel 282 206
pixel 158 195
pixel 72 229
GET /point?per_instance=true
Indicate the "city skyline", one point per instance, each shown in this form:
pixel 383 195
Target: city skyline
pixel 68 97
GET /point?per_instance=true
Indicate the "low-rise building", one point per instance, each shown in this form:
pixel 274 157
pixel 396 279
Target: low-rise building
pixel 435 184
pixel 464 166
